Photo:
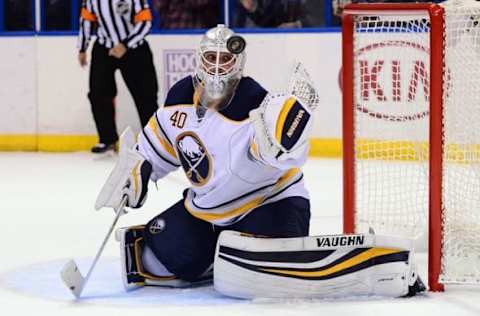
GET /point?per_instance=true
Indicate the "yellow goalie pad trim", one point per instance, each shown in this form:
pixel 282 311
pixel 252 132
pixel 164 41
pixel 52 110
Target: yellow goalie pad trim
pixel 367 255
pixel 287 106
pixel 135 172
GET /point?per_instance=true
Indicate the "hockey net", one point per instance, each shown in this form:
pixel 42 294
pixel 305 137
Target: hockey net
pixel 407 171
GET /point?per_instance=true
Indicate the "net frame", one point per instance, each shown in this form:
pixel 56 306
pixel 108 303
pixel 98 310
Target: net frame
pixel 436 14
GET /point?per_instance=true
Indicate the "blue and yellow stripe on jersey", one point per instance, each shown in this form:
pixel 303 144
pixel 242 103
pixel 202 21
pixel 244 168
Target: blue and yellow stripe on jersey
pixel 236 208
pixel 161 137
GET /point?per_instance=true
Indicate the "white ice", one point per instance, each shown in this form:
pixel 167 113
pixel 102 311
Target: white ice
pixel 48 217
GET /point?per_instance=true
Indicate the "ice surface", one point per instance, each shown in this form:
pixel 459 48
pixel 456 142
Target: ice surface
pixel 47 210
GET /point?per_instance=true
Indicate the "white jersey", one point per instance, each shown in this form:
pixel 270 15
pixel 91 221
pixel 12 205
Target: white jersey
pixel 218 154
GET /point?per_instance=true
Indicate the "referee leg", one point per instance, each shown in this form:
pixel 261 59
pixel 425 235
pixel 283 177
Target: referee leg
pixel 102 93
pixel 140 76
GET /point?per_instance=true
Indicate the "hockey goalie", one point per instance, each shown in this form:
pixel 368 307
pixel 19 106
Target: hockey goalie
pixel 244 220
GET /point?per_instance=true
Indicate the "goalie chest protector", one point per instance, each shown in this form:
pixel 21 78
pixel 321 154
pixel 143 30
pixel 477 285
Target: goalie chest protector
pixel 227 182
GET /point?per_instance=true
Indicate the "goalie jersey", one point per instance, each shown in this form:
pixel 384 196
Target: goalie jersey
pixel 218 154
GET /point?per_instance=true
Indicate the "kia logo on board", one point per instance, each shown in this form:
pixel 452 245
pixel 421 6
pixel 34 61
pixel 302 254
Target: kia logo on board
pixel 393 80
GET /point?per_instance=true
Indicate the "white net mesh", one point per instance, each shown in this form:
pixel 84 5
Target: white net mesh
pixel 391 124
pixel 461 171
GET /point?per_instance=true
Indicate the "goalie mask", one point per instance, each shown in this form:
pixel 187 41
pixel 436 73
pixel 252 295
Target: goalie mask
pixel 220 63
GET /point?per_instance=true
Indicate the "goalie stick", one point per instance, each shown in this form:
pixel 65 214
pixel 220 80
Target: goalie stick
pixel 70 273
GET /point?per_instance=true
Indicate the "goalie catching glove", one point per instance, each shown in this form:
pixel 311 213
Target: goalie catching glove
pixel 282 125
pixel 283 122
pixel 129 177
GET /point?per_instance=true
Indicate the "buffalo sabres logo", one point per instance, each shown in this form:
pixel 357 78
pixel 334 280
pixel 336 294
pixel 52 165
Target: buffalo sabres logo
pixel 157 226
pixel 194 158
pixel 122 7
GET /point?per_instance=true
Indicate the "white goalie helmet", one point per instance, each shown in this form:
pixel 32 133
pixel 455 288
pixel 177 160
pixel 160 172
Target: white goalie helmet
pixel 220 62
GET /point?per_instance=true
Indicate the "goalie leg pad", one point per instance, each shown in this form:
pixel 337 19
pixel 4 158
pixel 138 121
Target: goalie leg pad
pixel 132 245
pixel 139 265
pixel 313 267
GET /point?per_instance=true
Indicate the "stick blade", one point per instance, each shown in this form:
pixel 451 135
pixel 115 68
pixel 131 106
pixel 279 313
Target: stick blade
pixel 72 278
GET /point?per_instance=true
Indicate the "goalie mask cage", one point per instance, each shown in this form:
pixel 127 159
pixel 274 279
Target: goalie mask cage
pixel 411 125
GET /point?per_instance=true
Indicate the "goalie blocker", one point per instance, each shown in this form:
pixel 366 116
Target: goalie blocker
pixel 315 267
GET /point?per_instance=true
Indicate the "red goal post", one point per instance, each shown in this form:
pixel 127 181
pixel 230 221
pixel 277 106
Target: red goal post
pixel 436 42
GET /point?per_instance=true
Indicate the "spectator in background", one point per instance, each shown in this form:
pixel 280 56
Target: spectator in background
pixel 280 13
pixel 187 14
pixel 338 5
pixel 18 15
pixel 314 14
pixel 273 13
pixel 57 15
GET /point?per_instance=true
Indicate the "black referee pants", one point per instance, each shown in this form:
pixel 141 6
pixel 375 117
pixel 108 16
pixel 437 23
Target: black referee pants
pixel 138 71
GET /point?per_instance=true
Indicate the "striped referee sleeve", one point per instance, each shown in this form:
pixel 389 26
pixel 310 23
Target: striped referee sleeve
pixel 143 23
pixel 155 145
pixel 87 20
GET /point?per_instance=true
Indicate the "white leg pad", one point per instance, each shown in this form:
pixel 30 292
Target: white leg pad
pixel 313 267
